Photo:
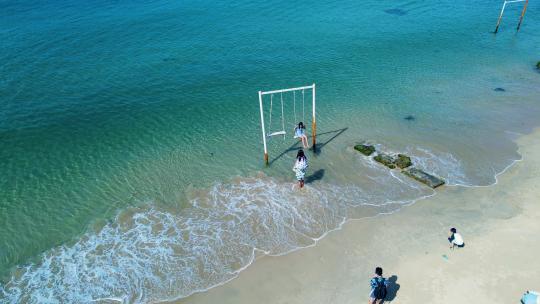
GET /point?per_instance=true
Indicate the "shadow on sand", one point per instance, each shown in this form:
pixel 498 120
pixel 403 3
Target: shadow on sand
pixel 391 288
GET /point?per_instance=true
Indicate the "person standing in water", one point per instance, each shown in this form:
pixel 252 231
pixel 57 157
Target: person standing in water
pixel 300 167
pixel 300 132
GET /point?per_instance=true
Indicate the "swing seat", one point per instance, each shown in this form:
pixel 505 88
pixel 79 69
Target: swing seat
pixel 276 133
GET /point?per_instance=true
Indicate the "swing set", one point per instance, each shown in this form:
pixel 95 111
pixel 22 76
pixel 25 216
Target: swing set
pixel 281 131
pixel 502 12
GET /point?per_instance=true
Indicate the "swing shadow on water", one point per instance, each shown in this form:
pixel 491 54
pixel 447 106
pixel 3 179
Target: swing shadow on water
pixel 318 147
pixel 293 147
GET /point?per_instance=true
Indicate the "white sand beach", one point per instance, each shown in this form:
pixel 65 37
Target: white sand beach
pixel 499 262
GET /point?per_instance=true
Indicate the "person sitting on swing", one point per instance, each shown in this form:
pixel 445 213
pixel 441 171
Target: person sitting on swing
pixel 300 132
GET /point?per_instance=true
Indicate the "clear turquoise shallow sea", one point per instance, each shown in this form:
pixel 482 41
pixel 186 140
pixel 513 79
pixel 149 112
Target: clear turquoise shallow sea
pixel 131 155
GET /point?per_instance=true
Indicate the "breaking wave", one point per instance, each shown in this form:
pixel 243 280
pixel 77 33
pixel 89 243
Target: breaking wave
pixel 149 254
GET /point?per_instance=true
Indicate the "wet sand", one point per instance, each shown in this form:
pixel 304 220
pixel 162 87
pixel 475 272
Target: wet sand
pixel 499 262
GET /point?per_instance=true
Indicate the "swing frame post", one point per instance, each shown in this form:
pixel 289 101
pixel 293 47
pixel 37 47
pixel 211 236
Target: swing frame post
pixel 264 135
pixel 313 123
pixel 502 12
pixel 263 131
pixel 500 18
pixel 522 14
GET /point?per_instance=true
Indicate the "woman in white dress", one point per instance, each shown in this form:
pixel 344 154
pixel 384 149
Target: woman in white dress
pixel 300 167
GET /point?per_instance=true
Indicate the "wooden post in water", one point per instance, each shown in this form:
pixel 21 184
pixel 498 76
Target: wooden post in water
pixel 522 14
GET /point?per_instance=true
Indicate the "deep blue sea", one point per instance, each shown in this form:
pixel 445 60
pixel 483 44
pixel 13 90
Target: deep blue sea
pixel 131 161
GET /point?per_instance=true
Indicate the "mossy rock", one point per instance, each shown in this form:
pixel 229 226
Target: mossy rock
pixel 386 160
pixel 403 161
pixel 367 150
pixel 423 177
pixel 538 65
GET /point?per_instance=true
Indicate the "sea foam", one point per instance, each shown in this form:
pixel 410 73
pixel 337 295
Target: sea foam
pixel 149 254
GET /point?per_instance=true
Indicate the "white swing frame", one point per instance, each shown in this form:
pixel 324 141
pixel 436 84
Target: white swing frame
pixel 502 12
pixel 313 121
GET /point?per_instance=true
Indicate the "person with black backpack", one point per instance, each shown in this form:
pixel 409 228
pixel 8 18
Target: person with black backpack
pixel 378 287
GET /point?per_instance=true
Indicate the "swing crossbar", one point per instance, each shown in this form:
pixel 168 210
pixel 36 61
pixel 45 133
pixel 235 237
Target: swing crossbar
pixel 287 90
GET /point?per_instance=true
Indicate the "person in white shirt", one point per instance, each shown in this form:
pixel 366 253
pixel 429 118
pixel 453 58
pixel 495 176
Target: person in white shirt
pixel 300 132
pixel 300 167
pixel 455 239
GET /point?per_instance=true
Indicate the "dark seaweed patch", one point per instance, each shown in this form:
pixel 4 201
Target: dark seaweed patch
pixel 396 11
pixel 409 118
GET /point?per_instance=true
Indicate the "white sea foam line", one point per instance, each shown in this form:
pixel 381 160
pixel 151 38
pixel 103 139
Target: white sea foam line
pixel 252 255
pixel 443 164
pixel 345 220
pixel 265 253
pixel 316 240
pixel 422 162
pixel 496 177
pixel 514 133
pixel 334 219
pixel 458 184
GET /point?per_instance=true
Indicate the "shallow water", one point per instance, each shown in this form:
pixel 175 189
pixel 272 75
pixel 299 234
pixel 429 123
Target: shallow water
pixel 131 150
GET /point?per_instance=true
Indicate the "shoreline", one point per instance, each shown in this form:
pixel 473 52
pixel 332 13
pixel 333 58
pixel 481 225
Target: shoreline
pixel 261 254
pixel 260 280
pixel 133 158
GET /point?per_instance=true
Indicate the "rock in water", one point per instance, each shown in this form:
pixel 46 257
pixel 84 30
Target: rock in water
pixel 403 161
pixel 538 65
pixel 367 150
pixel 499 90
pixel 424 177
pixel 386 160
pixel 409 117
pixel 396 11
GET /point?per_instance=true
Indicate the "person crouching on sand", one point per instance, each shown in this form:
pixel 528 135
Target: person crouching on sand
pixel 378 287
pixel 300 167
pixel 455 239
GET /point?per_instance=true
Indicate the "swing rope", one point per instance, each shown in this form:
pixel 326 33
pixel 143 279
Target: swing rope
pixel 294 107
pixel 282 131
pixel 270 122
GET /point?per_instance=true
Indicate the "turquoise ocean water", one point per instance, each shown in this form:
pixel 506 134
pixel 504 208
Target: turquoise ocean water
pixel 131 153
